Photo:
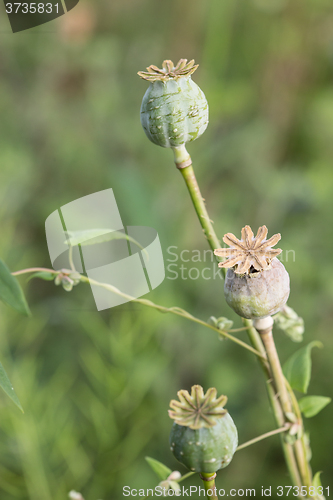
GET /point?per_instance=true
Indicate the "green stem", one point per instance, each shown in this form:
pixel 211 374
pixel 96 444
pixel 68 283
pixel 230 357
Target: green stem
pixel 264 436
pixel 70 258
pixel 300 446
pixel 303 464
pixel 287 448
pixel 235 330
pixel 185 476
pixel 273 358
pixel 286 402
pixel 200 208
pixel 34 270
pixel 208 480
pixel 256 342
pixel 174 310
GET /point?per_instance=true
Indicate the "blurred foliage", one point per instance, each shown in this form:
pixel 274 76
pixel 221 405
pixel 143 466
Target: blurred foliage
pixel 96 386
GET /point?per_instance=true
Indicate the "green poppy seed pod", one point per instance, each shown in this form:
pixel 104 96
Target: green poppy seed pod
pixel 174 109
pixel 259 294
pixel 257 284
pixel 203 437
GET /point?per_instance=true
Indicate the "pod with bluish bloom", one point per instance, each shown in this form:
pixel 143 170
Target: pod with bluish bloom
pixel 174 110
pixel 257 285
pixel 203 437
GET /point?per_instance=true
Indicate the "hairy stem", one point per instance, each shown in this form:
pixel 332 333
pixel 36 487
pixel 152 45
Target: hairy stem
pixel 208 480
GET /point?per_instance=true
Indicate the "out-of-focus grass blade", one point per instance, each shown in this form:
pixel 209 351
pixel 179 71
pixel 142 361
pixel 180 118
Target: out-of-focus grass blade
pixel 6 385
pixel 10 291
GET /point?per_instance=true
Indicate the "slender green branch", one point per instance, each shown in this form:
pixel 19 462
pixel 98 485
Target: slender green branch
pixel 257 344
pixel 35 270
pixel 235 330
pixel 275 404
pixel 264 436
pixel 293 399
pixel 173 310
pixel 200 208
pixel 300 446
pixel 185 476
pixel 286 401
pixel 70 258
pixel 303 464
pixel 208 480
pixel 273 358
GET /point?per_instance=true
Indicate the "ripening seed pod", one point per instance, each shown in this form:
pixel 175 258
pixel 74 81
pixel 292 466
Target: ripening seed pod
pixel 203 437
pixel 257 284
pixel 174 109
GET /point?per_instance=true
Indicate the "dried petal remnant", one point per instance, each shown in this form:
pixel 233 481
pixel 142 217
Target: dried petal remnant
pixel 250 251
pixel 198 409
pixel 168 71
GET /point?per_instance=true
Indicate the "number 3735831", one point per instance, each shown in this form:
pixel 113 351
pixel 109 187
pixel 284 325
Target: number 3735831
pixel 31 8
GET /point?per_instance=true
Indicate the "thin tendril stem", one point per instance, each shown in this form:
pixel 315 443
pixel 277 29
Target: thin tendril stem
pixel 264 436
pixel 173 310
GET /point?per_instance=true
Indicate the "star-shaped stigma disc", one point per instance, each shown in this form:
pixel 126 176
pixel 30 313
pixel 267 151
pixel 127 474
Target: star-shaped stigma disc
pixel 249 253
pixel 198 409
pixel 169 71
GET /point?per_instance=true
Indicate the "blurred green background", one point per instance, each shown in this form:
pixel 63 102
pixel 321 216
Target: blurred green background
pixel 96 386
